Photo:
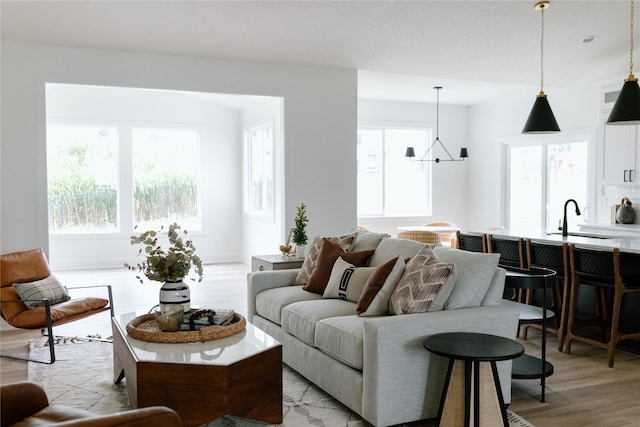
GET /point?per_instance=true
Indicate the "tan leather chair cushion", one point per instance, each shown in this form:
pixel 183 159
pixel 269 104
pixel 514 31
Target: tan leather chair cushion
pixel 18 315
pixel 25 266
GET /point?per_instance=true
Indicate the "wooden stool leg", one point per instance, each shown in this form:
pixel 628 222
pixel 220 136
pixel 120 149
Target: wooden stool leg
pixel 452 404
pixel 615 321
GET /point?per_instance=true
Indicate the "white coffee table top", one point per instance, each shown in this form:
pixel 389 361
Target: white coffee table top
pixel 223 351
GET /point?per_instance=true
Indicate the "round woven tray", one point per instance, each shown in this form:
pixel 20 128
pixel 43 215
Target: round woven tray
pixel 146 328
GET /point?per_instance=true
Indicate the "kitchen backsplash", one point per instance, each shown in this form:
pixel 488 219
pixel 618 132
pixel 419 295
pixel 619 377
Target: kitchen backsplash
pixel 614 194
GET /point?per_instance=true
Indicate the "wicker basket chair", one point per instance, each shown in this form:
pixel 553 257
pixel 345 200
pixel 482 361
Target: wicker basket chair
pixel 445 236
pixel 421 236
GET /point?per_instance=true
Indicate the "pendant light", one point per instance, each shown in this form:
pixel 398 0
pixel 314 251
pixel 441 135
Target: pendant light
pixel 626 110
pixel 410 153
pixel 541 118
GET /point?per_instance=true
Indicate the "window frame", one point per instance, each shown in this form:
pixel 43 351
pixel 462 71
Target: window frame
pixel 125 202
pixel 266 215
pixel 427 166
pixel 566 137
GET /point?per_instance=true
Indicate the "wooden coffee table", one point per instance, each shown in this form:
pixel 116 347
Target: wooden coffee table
pixel 239 375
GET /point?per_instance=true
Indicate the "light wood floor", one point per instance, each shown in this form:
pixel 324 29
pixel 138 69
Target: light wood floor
pixel 583 391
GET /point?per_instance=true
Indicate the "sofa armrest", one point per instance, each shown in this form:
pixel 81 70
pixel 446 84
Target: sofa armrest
pixel 398 372
pixel 259 281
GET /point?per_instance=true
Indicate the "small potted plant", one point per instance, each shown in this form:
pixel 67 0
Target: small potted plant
pixel 169 266
pixel 300 237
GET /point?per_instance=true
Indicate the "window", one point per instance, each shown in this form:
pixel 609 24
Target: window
pixel 541 178
pixel 92 190
pixel 165 177
pixel 259 170
pixel 389 185
pixel 82 177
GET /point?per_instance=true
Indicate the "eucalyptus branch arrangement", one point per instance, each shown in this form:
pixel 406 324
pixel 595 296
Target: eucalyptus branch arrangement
pixel 300 229
pixel 171 265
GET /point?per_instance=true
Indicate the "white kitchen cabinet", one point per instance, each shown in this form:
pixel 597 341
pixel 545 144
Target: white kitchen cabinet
pixel 620 154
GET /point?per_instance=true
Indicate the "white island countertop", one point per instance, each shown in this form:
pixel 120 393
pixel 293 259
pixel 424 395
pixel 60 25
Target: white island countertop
pixel 599 240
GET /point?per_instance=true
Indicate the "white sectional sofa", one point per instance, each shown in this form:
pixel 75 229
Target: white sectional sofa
pixel 377 366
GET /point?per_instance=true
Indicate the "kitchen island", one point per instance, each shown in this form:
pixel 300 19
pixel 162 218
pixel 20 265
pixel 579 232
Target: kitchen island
pixel 594 240
pixel 629 320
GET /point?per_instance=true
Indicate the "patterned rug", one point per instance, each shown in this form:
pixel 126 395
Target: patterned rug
pixel 82 377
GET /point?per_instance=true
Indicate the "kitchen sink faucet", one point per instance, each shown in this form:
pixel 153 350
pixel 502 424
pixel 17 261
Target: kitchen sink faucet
pixel 564 218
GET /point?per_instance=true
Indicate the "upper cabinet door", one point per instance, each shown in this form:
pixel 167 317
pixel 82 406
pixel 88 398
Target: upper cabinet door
pixel 620 155
pixel 620 145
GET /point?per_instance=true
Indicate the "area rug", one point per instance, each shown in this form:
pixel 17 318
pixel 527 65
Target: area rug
pixel 82 377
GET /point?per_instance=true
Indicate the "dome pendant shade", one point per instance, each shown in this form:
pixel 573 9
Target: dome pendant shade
pixel 541 118
pixel 626 110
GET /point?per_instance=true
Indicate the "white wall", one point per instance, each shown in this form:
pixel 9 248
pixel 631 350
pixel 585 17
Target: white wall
pixel 319 128
pixel 449 178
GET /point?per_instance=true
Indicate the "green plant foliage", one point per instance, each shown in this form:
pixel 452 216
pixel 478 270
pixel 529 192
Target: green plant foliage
pixel 171 265
pixel 300 229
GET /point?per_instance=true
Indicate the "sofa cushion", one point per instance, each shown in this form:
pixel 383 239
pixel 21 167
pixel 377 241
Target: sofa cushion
pixel 391 248
pixel 345 242
pixel 475 272
pixel 347 281
pixel 379 288
pixel 329 253
pixel 341 338
pixel 49 288
pixel 269 303
pixel 425 285
pixel 300 318
pixel 367 240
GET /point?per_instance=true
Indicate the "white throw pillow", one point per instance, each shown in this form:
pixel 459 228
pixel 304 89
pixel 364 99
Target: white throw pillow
pixel 47 288
pixel 347 281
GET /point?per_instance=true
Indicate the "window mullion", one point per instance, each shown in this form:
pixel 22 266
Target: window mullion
pixel 125 185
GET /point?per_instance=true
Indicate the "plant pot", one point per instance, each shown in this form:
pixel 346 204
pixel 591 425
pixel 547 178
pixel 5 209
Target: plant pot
pixel 176 293
pixel 300 250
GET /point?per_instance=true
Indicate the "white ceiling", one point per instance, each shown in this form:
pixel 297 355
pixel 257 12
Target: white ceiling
pixel 475 49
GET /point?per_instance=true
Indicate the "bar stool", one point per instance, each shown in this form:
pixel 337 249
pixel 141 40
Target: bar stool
pixel 511 250
pixel 603 270
pixel 511 255
pixel 555 257
pixel 471 242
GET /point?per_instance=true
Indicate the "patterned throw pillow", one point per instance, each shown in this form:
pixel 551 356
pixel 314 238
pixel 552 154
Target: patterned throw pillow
pixel 425 286
pixel 345 242
pixel 47 288
pixel 329 253
pixel 374 300
pixel 347 281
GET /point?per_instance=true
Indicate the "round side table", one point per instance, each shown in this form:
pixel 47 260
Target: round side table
pixel 472 386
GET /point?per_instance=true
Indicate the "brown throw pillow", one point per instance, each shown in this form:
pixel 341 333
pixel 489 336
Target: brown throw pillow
pixel 381 275
pixel 346 242
pixel 329 253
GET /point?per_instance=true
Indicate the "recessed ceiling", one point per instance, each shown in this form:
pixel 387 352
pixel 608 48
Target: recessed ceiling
pixel 475 49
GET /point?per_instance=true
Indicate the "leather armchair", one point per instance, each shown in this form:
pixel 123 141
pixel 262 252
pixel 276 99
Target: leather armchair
pixel 30 265
pixel 26 404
